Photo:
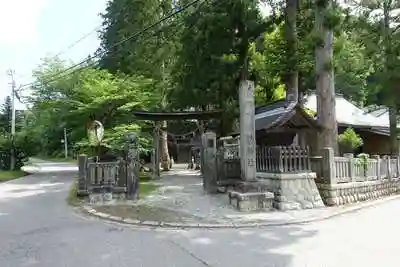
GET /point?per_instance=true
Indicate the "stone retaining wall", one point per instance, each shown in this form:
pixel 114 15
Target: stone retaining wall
pixel 345 193
pixel 292 190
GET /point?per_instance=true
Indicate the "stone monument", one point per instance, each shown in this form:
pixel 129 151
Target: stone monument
pixel 209 147
pixel 247 131
pixel 132 167
pixel 249 194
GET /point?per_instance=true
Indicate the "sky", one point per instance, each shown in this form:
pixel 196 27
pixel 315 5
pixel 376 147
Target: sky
pixel 33 29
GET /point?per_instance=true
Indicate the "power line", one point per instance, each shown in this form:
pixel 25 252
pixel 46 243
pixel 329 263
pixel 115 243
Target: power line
pixel 78 41
pixel 66 74
pixel 136 34
pixel 91 64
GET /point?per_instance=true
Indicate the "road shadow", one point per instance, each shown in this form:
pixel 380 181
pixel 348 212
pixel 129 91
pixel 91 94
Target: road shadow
pixel 268 247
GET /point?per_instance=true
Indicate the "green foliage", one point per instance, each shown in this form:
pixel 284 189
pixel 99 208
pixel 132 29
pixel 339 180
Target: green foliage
pixel 24 147
pixel 11 175
pixel 349 140
pixel 121 20
pixel 214 52
pixel 333 18
pixel 75 101
pixel 5 116
pixel 362 160
pixel 5 153
pixel 195 61
pixel 310 112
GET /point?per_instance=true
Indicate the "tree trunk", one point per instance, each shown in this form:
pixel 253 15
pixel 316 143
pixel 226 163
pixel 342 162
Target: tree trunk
pixel 394 145
pixel 291 79
pixel 325 84
pixel 392 101
pixel 164 147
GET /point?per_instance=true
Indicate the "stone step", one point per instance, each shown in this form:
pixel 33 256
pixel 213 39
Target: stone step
pixel 251 201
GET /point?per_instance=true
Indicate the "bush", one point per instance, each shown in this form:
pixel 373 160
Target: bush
pixel 362 160
pixel 5 153
pixel 30 145
pixel 350 140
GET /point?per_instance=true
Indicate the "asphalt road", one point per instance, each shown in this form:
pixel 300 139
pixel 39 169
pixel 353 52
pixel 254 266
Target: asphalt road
pixel 37 228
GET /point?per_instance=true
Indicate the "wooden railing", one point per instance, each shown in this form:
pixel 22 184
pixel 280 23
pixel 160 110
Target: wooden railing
pixel 348 169
pixel 290 159
pixel 107 174
pixel 281 159
pixel 342 169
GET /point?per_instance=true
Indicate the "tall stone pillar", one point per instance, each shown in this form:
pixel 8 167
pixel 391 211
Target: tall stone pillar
pixel 209 146
pixel 247 131
pixel 132 167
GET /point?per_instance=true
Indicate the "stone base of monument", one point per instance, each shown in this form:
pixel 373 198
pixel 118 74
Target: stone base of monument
pixel 82 191
pixel 293 191
pixel 252 186
pixel 102 195
pixel 251 201
pixel 105 198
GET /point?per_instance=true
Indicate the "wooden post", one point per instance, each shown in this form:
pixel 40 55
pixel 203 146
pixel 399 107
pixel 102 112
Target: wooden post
pixel 89 174
pixel 389 167
pixel 378 166
pixel 156 152
pixel 328 165
pixel 350 157
pixel 308 160
pixel 82 178
pixel 280 159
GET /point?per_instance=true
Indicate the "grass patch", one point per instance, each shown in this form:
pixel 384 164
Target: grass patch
pixel 73 198
pixel 145 176
pixel 147 213
pixel 11 175
pixel 145 188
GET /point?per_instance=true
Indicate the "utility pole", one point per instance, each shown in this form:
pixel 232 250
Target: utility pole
pixel 11 74
pixel 65 143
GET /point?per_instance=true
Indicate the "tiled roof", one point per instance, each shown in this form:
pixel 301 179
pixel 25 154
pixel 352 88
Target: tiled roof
pixel 278 113
pixel 349 114
pixel 270 115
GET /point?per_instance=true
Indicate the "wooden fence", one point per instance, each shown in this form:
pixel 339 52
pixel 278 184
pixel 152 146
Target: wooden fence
pixel 281 159
pixel 107 174
pixel 349 169
pixel 117 177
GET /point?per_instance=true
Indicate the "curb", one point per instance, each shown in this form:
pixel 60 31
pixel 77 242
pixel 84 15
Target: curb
pixel 363 205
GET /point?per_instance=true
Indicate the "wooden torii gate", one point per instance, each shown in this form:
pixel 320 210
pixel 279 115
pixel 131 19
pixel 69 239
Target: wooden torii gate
pixel 159 116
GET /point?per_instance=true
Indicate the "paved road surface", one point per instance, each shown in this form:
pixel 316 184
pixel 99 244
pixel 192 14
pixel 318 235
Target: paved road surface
pixel 37 228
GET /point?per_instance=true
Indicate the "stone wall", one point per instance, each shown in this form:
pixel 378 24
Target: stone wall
pixel 345 180
pixel 346 193
pixel 292 190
